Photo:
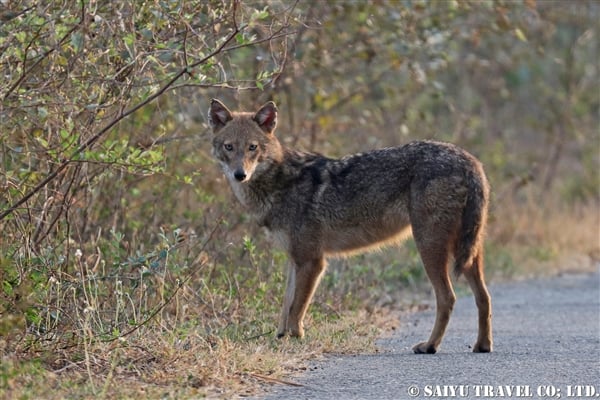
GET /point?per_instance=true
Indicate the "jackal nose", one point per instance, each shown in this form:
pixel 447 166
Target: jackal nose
pixel 239 175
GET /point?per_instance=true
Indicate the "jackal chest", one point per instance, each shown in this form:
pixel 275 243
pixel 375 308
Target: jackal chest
pixel 240 192
pixel 259 207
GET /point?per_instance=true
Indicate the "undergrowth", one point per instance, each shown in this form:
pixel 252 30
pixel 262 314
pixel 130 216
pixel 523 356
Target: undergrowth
pixel 189 316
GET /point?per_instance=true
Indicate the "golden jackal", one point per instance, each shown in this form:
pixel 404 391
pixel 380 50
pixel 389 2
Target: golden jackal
pixel 317 206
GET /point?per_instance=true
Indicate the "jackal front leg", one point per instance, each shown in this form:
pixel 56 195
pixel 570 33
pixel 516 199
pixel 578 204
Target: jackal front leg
pixel 288 298
pixel 303 279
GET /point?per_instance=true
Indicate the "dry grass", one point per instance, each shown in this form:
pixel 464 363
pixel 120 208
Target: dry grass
pixel 173 364
pixel 545 239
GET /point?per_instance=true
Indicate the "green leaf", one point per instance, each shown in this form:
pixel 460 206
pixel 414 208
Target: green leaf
pixel 42 112
pixel 241 39
pixel 520 35
pixel 7 288
pixel 77 41
pixel 42 141
pixel 260 14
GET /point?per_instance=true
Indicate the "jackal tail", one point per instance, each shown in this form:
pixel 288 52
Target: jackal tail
pixel 469 244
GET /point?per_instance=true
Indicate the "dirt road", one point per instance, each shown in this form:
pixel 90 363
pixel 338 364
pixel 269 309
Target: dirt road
pixel 547 345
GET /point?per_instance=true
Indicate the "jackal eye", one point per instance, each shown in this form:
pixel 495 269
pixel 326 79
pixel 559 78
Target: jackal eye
pixel 228 146
pixel 252 147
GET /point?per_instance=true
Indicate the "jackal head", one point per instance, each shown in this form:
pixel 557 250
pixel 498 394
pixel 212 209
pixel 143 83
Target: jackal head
pixel 244 143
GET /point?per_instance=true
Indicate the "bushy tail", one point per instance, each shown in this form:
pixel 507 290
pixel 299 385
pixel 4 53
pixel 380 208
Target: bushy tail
pixel 469 242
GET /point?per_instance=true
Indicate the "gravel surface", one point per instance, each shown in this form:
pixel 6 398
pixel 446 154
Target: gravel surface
pixel 546 345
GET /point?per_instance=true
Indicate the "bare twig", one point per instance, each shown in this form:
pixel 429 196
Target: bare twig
pixel 275 380
pixel 259 335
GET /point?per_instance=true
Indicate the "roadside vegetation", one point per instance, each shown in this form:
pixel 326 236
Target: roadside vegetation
pixel 126 267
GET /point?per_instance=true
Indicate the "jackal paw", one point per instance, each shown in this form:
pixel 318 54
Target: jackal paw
pixel 291 333
pixel 424 348
pixel 482 347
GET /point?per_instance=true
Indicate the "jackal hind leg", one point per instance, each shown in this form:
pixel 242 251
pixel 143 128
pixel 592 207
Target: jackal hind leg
pixel 305 277
pixel 474 275
pixel 445 299
pixel 433 247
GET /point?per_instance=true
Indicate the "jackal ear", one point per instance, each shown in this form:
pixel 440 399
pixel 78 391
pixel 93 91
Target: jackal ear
pixel 266 117
pixel 218 115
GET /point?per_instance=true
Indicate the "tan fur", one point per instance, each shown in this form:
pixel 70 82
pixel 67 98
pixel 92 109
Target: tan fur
pixel 316 206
